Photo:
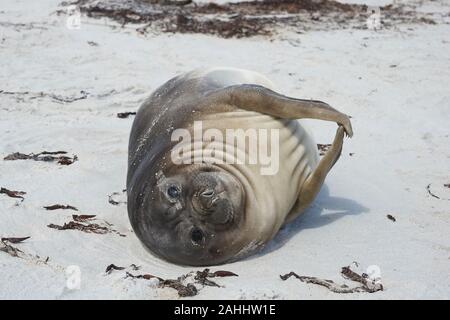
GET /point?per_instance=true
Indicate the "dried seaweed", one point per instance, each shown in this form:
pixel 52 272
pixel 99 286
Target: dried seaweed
pixel 83 217
pixel 143 276
pixel 14 240
pixel 123 115
pixel 53 152
pixel 431 193
pixel 172 2
pixel 67 160
pixel 244 19
pixel 186 289
pixel 434 195
pixel 202 278
pixel 391 217
pixel 366 285
pixel 58 156
pixel 134 267
pixel 113 230
pixel 222 273
pixel 60 206
pixel 12 251
pixel 88 228
pixel 57 98
pixel 6 247
pixel 82 223
pixel 237 26
pixel 13 194
pixel 112 267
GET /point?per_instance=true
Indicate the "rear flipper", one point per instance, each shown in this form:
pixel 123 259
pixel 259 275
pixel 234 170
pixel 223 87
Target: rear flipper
pixel 314 182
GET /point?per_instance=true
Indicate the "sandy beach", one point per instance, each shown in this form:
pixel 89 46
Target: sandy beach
pixel 61 90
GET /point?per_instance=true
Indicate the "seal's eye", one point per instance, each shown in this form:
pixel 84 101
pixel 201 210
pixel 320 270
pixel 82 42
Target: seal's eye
pixel 173 192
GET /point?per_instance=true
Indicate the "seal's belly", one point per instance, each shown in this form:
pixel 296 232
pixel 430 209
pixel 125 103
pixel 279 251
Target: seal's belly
pixel 279 156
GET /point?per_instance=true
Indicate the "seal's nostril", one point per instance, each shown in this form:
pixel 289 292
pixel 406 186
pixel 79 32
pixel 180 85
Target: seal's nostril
pixel 197 236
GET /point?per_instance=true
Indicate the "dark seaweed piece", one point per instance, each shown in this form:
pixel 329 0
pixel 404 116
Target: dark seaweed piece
pixel 244 18
pixel 81 223
pixel 134 267
pixel 14 240
pixel 143 276
pixel 88 228
pixel 367 286
pixel 17 156
pixel 13 194
pixel 112 267
pixel 123 115
pixel 329 284
pixel 173 2
pixel 431 193
pixel 47 156
pixel 391 217
pixel 222 273
pixel 188 290
pixel 60 206
pixel 202 278
pixel 58 98
pixel 12 251
pixel 65 161
pixel 83 217
pixel 9 249
pixel 53 152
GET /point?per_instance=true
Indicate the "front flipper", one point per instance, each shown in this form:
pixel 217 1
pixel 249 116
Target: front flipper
pixel 260 99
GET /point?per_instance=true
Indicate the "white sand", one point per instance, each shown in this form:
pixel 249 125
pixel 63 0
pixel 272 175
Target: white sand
pixel 401 118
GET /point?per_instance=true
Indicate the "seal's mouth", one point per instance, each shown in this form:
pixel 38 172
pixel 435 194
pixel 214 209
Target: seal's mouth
pixel 197 236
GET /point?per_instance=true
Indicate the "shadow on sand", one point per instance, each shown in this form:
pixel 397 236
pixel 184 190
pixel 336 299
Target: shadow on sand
pixel 313 217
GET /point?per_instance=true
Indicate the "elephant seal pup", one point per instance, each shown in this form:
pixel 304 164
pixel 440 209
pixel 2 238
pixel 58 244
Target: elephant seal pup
pixel 189 206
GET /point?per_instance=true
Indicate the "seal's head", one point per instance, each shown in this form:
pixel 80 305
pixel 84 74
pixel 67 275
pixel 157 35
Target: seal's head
pixel 191 215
